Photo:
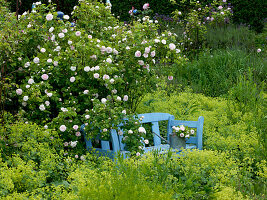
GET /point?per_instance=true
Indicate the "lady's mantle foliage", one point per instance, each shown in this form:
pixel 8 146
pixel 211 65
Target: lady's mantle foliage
pixel 93 73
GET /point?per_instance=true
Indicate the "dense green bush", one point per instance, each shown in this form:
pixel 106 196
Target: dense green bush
pixel 250 13
pixel 121 8
pixel 93 73
pixel 245 11
pixel 61 5
pixel 29 157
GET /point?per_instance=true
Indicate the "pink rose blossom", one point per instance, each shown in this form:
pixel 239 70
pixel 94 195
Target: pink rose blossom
pixel 62 128
pixel 45 77
pixel 78 33
pixel 75 127
pixel 170 78
pixel 96 75
pixel 182 128
pixel 146 6
pixel 138 54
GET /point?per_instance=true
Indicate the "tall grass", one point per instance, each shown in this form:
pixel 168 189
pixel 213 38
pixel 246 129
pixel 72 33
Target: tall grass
pixel 231 37
pixel 214 73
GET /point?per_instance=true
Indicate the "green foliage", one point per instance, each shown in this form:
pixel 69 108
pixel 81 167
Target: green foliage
pixel 214 73
pixel 37 170
pixel 226 128
pixel 230 37
pixel 65 6
pixel 111 77
pixel 108 182
pixel 250 13
pixel 66 72
pixel 122 8
pixel 194 16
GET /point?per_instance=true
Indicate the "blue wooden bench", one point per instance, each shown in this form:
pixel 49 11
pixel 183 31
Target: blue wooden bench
pixel 115 145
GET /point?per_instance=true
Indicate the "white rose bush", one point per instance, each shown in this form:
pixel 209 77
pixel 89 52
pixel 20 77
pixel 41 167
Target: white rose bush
pixel 94 73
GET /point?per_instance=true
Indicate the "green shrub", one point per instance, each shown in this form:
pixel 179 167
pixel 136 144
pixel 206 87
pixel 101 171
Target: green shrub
pixel 195 175
pixel 65 6
pixel 250 13
pixel 67 76
pixel 31 157
pixel 121 8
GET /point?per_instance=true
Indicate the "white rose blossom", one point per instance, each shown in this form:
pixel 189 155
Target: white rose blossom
pixel 51 29
pixel 25 98
pixel 42 107
pixel 36 60
pixel 19 91
pixel 49 17
pixel 30 81
pixel 172 46
pixel 72 79
pixel 141 130
pixel 62 128
pixel 103 100
pixel 66 17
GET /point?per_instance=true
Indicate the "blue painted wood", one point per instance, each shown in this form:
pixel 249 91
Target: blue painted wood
pixel 169 127
pixel 115 140
pixel 192 140
pixel 105 145
pixel 155 128
pixel 88 141
pixel 122 145
pixel 154 117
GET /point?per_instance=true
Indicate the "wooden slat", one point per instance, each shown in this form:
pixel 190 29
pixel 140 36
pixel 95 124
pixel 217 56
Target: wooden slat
pixel 105 145
pixel 155 128
pixel 200 132
pixel 154 117
pixel 115 140
pixel 169 127
pixel 191 124
pixel 192 140
pixel 88 141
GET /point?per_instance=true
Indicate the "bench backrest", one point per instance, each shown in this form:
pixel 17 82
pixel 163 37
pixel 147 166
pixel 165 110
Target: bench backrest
pixel 154 119
pixel 116 140
pixel 192 124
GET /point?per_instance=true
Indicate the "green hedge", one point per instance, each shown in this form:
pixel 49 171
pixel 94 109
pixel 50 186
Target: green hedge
pixel 250 12
pixel 121 8
pixel 245 11
pixel 63 5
